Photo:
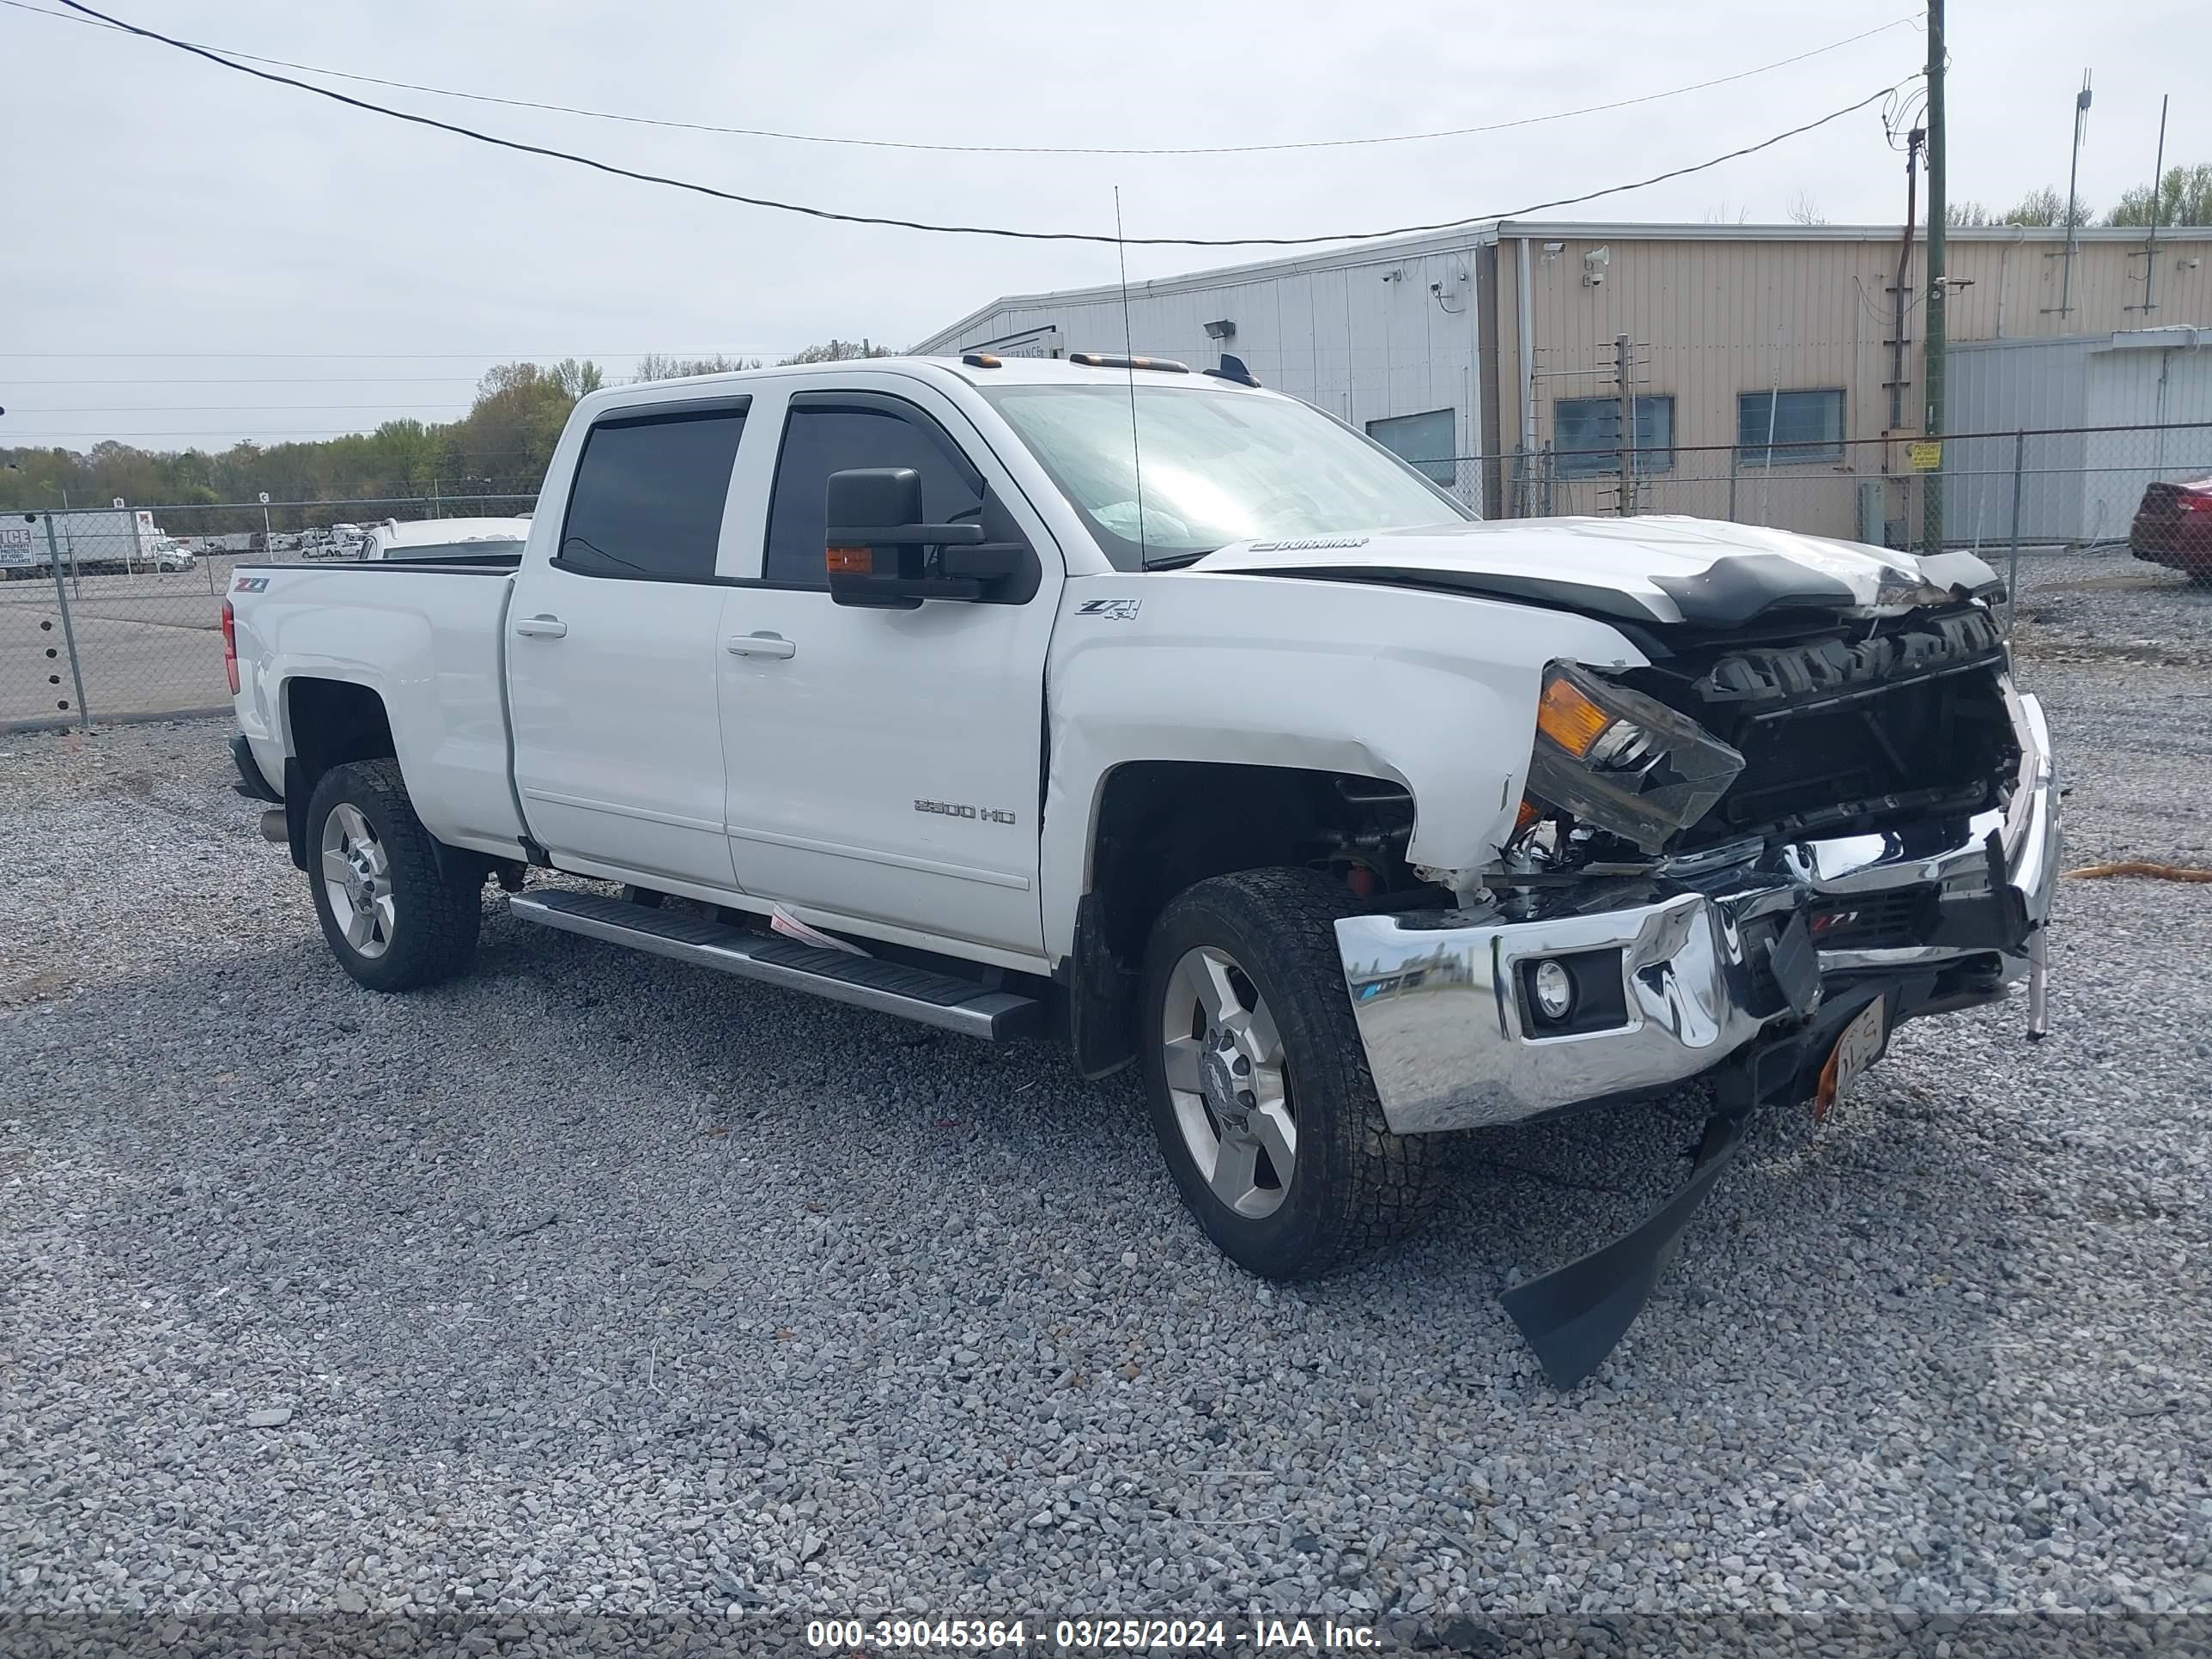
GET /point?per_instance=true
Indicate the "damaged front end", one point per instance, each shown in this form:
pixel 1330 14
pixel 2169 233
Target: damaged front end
pixel 1748 860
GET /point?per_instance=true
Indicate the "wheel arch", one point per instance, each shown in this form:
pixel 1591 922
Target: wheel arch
pixel 1159 826
pixel 326 723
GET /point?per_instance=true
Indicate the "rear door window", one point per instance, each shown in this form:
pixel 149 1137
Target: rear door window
pixel 646 503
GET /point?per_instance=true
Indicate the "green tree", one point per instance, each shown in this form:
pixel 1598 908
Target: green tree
pixel 2044 207
pixel 576 378
pixel 501 447
pixel 2184 197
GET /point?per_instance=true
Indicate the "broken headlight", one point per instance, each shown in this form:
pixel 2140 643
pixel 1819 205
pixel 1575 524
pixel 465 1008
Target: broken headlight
pixel 1624 762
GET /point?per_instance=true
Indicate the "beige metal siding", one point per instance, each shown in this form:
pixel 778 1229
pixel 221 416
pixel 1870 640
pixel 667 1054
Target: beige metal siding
pixel 1714 318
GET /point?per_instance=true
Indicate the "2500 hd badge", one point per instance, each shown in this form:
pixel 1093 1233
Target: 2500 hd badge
pixel 958 810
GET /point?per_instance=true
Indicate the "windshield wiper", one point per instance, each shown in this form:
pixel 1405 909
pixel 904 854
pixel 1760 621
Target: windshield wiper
pixel 1177 561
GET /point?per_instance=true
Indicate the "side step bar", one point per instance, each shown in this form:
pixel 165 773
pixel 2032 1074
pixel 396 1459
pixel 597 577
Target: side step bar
pixel 889 987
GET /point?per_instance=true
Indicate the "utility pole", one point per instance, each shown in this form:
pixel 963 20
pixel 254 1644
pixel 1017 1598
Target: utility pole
pixel 1931 484
pixel 1623 361
pixel 2072 175
pixel 2149 255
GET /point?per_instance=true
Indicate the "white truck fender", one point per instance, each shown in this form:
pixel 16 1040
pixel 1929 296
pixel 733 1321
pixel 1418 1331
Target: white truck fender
pixel 1434 690
pixel 429 646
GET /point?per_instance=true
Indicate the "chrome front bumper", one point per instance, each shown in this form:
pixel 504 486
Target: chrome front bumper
pixel 1441 1011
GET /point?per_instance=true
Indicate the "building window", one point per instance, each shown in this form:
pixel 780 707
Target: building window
pixel 1804 426
pixel 1426 442
pixel 1586 435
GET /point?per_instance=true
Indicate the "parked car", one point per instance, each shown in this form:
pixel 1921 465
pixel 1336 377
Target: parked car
pixel 2173 527
pixel 1231 747
pixel 444 540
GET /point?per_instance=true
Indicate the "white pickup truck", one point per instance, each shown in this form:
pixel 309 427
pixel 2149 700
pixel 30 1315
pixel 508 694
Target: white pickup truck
pixel 1164 712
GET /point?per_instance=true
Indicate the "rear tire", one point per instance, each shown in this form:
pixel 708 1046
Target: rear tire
pixel 394 917
pixel 1252 1058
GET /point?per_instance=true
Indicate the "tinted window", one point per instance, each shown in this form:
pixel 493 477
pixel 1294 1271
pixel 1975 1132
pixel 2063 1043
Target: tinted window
pixel 819 440
pixel 648 499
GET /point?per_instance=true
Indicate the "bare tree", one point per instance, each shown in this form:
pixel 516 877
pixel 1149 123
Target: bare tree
pixel 659 365
pixel 1804 210
pixel 838 351
pixel 1964 214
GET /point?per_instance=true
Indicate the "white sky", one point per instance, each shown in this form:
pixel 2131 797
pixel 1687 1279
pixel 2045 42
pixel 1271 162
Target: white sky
pixel 190 251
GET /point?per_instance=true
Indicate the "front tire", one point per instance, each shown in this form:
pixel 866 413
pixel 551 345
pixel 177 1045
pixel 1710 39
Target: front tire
pixel 1257 1080
pixel 393 915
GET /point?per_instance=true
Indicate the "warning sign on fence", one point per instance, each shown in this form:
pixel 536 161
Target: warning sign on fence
pixel 1926 455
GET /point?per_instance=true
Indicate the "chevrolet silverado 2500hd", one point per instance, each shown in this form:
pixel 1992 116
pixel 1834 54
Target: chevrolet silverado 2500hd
pixel 1167 712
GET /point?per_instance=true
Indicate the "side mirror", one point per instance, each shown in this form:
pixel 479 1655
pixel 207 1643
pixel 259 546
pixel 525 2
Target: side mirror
pixel 879 553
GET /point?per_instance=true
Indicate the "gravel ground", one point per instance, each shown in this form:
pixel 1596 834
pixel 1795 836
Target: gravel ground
pixel 594 1283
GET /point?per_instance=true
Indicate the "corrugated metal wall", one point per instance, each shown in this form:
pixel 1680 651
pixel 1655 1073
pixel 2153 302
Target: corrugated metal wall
pixel 2074 485
pixel 1717 313
pixel 1363 339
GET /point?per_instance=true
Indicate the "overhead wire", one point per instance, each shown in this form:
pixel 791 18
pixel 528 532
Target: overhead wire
pixel 1003 232
pixel 1009 150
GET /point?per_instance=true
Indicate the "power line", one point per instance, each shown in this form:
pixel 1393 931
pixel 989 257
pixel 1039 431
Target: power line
pixel 695 188
pixel 257 380
pixel 199 409
pixel 459 357
pixel 1014 150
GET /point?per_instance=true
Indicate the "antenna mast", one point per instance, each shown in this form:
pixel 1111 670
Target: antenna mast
pixel 1129 355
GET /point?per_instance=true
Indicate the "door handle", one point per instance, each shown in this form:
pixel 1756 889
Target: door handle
pixel 542 627
pixel 762 644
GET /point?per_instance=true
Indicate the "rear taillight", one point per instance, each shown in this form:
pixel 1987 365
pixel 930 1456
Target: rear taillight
pixel 230 648
pixel 2194 500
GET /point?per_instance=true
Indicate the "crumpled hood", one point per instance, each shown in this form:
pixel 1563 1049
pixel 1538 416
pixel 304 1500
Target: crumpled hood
pixel 1655 568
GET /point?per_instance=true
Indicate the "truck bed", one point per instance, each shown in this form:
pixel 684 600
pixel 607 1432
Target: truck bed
pixel 429 639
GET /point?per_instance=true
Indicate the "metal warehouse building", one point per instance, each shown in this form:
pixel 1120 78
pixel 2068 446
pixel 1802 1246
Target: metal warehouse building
pixel 1774 369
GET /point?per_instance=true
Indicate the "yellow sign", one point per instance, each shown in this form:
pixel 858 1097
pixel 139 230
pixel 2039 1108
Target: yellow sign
pixel 1926 455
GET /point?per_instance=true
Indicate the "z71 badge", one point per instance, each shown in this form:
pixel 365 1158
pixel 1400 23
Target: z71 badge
pixel 1111 609
pixel 249 585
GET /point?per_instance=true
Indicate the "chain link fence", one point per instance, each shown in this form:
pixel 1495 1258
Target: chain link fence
pixel 116 613
pixel 2072 487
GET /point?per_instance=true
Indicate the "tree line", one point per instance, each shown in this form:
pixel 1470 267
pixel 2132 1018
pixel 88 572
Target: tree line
pixel 2183 197
pixel 491 460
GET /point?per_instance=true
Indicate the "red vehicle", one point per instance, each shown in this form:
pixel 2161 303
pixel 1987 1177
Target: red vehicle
pixel 2173 527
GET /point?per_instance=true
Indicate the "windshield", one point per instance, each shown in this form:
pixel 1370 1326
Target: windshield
pixel 1213 467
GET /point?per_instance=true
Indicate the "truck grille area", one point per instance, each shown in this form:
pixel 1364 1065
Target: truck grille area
pixel 1852 730
pixel 1874 921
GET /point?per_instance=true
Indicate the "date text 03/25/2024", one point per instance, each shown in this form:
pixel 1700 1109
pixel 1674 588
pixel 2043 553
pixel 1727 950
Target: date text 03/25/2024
pixel 1087 1635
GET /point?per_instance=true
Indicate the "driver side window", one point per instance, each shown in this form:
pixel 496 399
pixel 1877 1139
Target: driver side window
pixel 821 438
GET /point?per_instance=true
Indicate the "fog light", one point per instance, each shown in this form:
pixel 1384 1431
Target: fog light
pixel 1555 990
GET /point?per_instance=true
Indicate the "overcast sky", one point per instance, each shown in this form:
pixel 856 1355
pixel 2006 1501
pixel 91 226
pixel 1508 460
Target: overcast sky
pixel 195 257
